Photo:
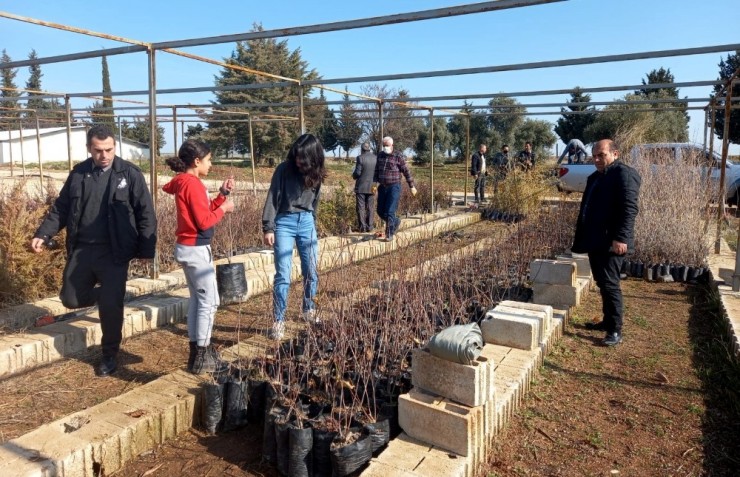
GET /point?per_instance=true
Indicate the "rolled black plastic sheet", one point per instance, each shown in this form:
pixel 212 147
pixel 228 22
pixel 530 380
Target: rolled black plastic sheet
pixel 459 343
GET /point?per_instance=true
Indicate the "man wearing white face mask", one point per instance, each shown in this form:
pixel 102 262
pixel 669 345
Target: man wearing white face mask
pixel 388 170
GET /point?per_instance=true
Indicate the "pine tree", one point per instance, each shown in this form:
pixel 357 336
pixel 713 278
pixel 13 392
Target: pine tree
pixel 573 126
pixel 273 138
pixel 727 68
pixel 10 90
pixel 349 130
pixel 34 84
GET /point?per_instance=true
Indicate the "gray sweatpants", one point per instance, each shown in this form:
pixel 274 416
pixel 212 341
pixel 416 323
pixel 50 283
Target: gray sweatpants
pixel 197 263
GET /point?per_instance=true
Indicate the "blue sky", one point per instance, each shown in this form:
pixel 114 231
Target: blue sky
pixel 570 29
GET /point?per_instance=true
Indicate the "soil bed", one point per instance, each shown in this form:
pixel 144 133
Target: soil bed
pixel 641 408
pixel 44 394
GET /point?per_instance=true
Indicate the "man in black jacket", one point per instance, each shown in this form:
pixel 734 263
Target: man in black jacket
pixel 605 230
pixel 478 170
pixel 108 212
pixel 364 188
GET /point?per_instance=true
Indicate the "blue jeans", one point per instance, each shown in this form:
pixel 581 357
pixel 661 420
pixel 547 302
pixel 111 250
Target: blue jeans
pixel 388 197
pixel 299 229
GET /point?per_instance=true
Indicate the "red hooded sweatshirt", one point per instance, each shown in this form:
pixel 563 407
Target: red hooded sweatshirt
pixel 196 212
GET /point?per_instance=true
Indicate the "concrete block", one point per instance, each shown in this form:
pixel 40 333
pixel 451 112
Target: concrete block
pixel 542 324
pixel 440 422
pixel 583 266
pixel 381 469
pixel 556 295
pixel 465 384
pixel 547 309
pixel 439 462
pixel 554 272
pixel 404 452
pixel 510 330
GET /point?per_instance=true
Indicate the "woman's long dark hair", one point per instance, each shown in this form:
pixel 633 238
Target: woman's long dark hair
pixel 306 155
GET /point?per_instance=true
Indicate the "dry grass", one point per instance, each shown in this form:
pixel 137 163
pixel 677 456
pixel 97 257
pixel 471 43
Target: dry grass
pixel 25 275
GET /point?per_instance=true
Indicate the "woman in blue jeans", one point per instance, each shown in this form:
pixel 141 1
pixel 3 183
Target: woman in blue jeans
pixel 288 218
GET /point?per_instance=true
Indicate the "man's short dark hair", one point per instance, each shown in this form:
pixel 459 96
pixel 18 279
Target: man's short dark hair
pixel 505 145
pixel 101 132
pixel 365 146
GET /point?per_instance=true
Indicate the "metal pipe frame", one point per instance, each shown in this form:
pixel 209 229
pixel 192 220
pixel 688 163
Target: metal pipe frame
pixel 535 65
pixel 354 24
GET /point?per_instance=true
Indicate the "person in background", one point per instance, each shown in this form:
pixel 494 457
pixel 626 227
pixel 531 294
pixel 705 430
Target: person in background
pixel 288 218
pixel 525 158
pixel 107 210
pixel 389 168
pixel 605 231
pixel 576 152
pixel 501 164
pixel 196 217
pixel 478 170
pixel 364 188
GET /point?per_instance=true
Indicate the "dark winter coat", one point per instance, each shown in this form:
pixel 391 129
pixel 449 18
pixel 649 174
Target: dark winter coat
pixel 608 209
pixel 476 164
pixel 363 172
pixel 132 223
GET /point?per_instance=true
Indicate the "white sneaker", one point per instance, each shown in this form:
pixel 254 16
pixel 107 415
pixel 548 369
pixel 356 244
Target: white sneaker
pixel 310 316
pixel 278 330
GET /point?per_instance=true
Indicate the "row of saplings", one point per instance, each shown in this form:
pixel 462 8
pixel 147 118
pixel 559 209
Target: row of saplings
pixel 328 399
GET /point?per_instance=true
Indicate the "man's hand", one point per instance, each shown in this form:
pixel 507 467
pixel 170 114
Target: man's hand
pixel 37 244
pixel 269 239
pixel 374 189
pixel 619 248
pixel 413 191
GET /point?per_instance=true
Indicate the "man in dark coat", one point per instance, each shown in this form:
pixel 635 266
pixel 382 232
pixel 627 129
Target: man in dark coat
pixel 605 230
pixel 107 210
pixel 364 189
pixel 478 170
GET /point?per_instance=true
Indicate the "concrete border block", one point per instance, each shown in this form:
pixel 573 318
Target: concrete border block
pixel 554 272
pixel 510 330
pixel 465 384
pixel 438 421
pixel 555 295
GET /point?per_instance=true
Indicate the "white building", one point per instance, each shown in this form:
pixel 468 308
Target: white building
pixel 22 147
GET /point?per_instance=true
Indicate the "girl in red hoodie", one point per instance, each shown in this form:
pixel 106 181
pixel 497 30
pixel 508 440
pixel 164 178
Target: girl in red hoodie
pixel 197 214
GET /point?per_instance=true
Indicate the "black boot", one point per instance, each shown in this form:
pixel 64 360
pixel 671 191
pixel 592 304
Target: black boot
pixel 191 357
pixel 206 361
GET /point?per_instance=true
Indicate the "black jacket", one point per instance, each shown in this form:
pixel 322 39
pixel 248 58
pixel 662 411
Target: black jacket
pixel 475 164
pixel 132 223
pixel 608 209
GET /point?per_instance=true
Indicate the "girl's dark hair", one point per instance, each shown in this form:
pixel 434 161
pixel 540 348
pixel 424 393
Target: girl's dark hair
pixel 188 153
pixel 308 151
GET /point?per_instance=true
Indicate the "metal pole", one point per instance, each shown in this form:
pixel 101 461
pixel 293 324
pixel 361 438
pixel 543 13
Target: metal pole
pixel 301 113
pixel 120 138
pixel 380 122
pixel 67 106
pixel 23 158
pixel 721 199
pixel 467 158
pixel 152 70
pixel 706 124
pixel 174 128
pixel 38 150
pixel 431 162
pixel 10 147
pixel 252 158
pixel 711 128
pixel 182 131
